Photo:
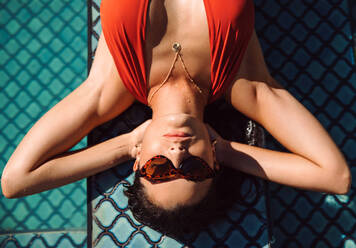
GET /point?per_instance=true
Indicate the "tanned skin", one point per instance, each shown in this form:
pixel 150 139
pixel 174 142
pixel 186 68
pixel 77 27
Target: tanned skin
pixel 40 162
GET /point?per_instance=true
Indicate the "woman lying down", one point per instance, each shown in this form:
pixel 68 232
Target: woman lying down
pixel 176 58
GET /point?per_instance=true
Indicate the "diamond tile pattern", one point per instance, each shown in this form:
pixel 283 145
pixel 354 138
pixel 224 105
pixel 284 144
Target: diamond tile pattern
pixel 43 240
pixel 112 223
pixel 42 59
pixel 308 48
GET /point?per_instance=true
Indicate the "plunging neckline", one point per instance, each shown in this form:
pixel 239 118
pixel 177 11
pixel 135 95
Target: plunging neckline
pixel 144 35
pixel 124 24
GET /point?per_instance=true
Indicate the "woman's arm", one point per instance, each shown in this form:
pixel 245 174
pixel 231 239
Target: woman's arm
pixel 35 165
pixel 315 162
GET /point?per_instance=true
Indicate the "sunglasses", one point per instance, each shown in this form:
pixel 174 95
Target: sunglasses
pixel 161 169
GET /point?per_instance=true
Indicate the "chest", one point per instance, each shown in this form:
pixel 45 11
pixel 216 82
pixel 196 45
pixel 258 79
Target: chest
pixel 182 21
pixel 213 35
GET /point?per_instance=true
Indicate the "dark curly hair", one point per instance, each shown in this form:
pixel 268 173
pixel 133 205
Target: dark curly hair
pixel 225 191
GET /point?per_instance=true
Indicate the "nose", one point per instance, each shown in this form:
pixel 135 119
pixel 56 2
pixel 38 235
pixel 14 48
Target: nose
pixel 177 153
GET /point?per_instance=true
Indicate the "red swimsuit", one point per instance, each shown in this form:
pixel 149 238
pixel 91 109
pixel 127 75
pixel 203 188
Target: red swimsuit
pixel 230 22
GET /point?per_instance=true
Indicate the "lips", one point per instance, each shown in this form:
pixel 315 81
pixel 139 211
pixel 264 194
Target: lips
pixel 177 134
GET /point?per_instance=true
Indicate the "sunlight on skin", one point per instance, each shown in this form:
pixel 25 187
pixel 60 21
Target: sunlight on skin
pixel 196 142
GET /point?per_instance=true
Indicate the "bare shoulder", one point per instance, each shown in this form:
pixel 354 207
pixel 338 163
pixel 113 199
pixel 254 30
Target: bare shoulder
pixel 252 78
pixel 99 98
pixel 104 77
pixel 103 66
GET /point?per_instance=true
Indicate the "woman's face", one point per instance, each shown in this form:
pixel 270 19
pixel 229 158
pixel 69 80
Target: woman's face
pixel 177 137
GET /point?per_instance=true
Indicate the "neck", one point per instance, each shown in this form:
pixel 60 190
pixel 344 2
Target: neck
pixel 178 97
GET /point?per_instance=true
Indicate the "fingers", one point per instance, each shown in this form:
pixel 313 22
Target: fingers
pixel 146 123
pixel 139 131
pixel 212 133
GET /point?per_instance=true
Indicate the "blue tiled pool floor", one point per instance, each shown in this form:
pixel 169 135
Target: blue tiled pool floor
pixel 43 57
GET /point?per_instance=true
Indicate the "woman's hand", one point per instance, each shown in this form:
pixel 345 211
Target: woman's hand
pixel 137 137
pixel 218 142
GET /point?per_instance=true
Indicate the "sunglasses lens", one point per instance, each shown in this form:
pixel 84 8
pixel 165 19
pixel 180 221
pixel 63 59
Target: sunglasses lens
pixel 158 167
pixel 195 167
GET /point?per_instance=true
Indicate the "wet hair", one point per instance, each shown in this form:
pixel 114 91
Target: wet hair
pixel 224 193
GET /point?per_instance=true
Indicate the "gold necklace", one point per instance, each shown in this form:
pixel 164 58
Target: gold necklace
pixel 176 47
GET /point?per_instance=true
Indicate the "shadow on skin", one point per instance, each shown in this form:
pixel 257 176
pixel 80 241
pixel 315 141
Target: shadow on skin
pixel 221 116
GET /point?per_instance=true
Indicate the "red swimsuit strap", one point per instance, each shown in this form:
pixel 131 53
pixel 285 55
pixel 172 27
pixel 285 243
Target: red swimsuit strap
pixel 230 28
pixel 123 24
pixel 231 24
